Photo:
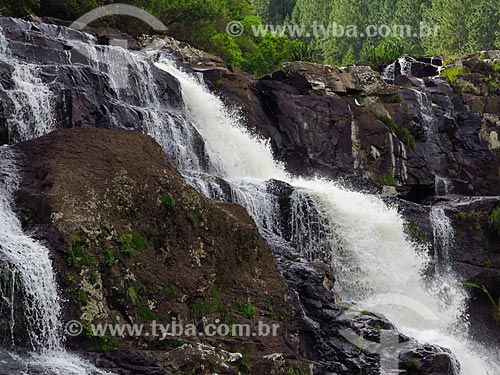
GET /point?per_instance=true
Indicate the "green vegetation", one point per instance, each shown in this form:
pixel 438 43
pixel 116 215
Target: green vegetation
pixel 247 309
pixel 276 314
pixel 244 366
pixel 296 371
pixel 105 227
pixel 389 50
pixel 397 98
pixel 414 232
pixel 194 220
pixel 208 306
pixel 387 180
pixel 102 344
pixel 413 363
pixel 97 343
pixel 470 220
pixel 496 306
pixel 493 86
pixel 168 201
pixel 172 291
pixel 77 257
pixel 403 134
pixel 131 243
pixel 464 26
pixel 369 313
pixel 109 257
pixel 453 73
pixel 494 221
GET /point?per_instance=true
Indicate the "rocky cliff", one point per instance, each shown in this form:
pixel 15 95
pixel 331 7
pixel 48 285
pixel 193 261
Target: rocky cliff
pixel 133 242
pixel 423 131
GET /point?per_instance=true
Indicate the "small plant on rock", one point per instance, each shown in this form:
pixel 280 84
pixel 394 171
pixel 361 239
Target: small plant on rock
pixel 248 310
pixel 453 73
pixel 131 242
pixel 494 221
pixel 485 290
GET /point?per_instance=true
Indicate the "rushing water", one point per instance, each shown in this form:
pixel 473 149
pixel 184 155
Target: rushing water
pixel 29 263
pixel 361 238
pixel 444 237
pixel 32 265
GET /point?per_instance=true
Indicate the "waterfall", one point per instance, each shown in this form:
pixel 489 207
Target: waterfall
pixel 3 43
pixel 432 149
pixel 389 73
pixel 33 102
pixel 32 265
pixel 29 261
pixel 358 235
pixel 443 238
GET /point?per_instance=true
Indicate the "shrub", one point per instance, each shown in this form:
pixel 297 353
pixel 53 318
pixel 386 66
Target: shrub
pixel 496 68
pixel 301 51
pixel 413 363
pixel 248 310
pixel 387 180
pixel 77 257
pixel 131 242
pixel 397 98
pixel 494 221
pixel 194 220
pixel 453 73
pixel 389 50
pixel 168 201
pixel 109 257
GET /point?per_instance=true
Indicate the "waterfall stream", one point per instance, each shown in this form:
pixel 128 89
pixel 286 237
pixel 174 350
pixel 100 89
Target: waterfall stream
pixel 358 235
pixel 29 262
pixel 443 239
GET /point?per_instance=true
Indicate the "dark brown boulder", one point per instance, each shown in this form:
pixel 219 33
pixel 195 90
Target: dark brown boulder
pixel 132 242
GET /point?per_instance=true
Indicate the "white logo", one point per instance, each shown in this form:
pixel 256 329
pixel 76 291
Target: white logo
pixel 118 69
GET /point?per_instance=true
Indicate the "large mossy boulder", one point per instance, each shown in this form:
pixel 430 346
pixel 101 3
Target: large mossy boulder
pixel 133 243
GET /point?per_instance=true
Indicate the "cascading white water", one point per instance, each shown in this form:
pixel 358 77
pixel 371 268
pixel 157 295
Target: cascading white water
pixel 369 249
pixel 25 259
pixel 360 236
pixel 34 104
pixel 444 237
pixel 389 73
pixel 29 261
pixel 442 185
pixel 32 265
pixel 3 42
pixel 425 109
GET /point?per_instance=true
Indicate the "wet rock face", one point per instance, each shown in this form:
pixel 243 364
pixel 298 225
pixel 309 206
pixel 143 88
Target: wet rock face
pixel 82 88
pixel 474 253
pixel 330 334
pixel 416 134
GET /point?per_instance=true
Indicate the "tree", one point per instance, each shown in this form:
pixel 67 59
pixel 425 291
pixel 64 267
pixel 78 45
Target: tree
pixel 480 26
pixel 274 11
pixel 449 15
pixel 19 8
